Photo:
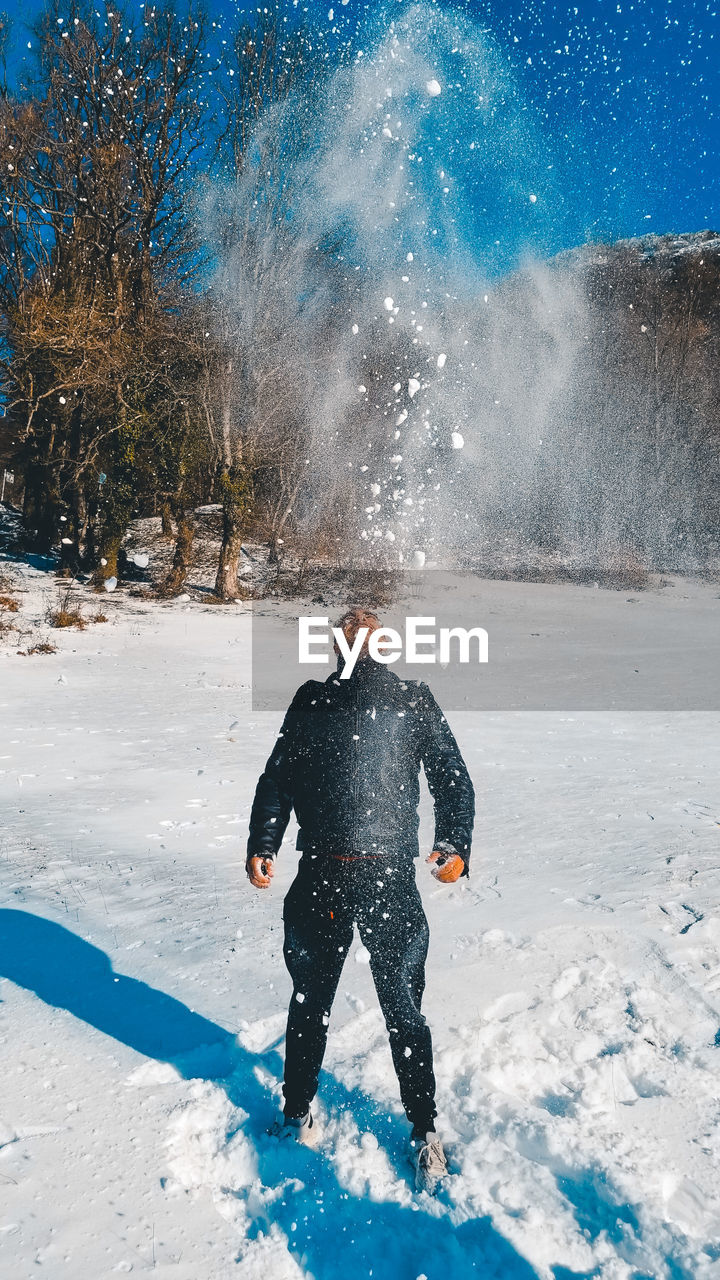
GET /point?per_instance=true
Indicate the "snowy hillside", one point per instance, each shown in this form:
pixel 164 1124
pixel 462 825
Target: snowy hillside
pixel 573 987
pixel 698 244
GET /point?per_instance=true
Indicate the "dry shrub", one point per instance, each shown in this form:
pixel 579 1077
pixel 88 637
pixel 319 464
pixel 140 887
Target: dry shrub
pixel 43 647
pixel 7 602
pixel 68 612
pixel 66 618
pixel 99 617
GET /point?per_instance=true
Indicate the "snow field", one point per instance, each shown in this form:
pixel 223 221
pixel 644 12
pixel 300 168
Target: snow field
pixel 572 992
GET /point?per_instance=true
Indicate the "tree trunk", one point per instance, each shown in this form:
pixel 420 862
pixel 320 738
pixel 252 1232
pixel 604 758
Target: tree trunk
pixel 74 554
pixel 175 580
pixel 236 488
pixel 108 552
pixel 116 506
pixel 235 492
pixel 166 520
pixel 226 582
pixel 41 512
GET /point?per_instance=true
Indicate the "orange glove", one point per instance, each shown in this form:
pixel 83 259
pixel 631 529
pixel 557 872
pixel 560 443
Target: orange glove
pixel 260 870
pixel 449 866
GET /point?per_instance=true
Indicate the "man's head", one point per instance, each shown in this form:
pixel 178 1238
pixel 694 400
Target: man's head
pixel 352 621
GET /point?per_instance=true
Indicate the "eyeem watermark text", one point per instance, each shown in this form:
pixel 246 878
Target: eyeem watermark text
pixel 422 643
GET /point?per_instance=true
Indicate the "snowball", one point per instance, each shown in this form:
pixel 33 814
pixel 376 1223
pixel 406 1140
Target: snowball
pixel 356 328
pixel 457 440
pixel 388 304
pixel 410 258
pixel 110 584
pixel 63 400
pixel 396 459
pixel 401 418
pixel 433 88
pixel 387 133
pixel 413 387
pixel 533 199
pixel 141 559
pixel 362 388
pixel 441 360
pixel 375 490
pixel 67 542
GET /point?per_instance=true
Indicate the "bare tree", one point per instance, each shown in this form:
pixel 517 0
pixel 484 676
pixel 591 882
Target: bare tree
pixel 253 247
pixel 95 249
pixel 5 33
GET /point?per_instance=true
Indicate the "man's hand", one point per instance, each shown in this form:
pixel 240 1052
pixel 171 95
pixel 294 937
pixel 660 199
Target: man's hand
pixel 448 867
pixel 260 870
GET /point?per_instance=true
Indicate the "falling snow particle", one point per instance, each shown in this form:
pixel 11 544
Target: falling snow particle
pixel 433 88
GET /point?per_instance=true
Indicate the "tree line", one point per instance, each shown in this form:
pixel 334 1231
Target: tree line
pixel 153 283
pixel 118 357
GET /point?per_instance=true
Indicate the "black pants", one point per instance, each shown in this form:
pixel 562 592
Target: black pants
pixel 326 898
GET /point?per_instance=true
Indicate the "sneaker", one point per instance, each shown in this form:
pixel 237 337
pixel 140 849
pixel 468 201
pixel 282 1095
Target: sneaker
pixel 303 1130
pixel 428 1158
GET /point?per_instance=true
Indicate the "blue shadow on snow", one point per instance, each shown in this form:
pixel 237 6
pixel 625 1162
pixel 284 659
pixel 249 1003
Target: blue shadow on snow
pixel 331 1232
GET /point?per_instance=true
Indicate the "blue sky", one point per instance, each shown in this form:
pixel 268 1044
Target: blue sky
pixel 624 95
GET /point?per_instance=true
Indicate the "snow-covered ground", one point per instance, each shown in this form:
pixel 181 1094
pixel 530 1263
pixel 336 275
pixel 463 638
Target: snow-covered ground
pixel 573 989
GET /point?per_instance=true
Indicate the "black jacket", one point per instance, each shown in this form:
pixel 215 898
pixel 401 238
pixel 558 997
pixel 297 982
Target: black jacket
pixel 347 760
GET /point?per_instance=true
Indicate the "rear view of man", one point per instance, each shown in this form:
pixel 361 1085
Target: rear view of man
pixel 347 760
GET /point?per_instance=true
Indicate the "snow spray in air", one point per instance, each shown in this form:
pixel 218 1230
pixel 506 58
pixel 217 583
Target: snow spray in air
pixel 404 342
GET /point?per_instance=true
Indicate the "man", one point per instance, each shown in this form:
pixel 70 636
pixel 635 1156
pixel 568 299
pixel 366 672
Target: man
pixel 347 761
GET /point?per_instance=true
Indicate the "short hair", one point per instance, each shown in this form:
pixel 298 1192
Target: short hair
pixel 351 622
